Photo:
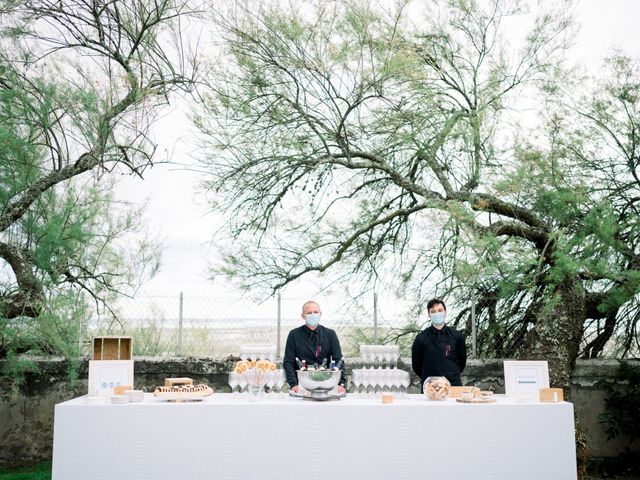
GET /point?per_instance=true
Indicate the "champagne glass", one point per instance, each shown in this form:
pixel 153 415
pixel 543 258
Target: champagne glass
pixel 280 380
pixel 234 381
pixel 368 376
pixel 359 380
pixel 379 381
pixel 404 383
pixel 243 384
pixel 269 382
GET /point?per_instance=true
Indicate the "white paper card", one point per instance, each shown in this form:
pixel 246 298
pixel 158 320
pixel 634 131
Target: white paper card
pixel 525 378
pixel 105 375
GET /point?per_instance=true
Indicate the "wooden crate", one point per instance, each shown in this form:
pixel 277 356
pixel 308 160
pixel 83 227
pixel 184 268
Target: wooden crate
pixel 456 392
pixel 551 395
pixel 112 348
pixel 170 382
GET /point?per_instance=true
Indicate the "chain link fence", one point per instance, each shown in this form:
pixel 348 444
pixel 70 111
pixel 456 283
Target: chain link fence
pixel 206 325
pixel 180 324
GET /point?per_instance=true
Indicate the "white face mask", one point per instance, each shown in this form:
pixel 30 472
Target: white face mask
pixel 438 319
pixel 313 319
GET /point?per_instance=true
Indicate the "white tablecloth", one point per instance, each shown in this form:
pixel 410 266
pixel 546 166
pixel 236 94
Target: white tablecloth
pixel 227 437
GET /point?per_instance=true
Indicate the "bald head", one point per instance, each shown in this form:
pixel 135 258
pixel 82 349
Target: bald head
pixel 310 307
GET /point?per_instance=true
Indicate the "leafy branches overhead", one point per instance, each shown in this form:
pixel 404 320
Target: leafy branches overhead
pixel 403 141
pixel 370 111
pixel 80 82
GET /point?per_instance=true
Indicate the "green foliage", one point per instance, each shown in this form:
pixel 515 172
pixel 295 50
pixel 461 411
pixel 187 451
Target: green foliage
pixel 75 108
pixel 622 415
pixel 41 471
pixel 57 331
pixel 15 341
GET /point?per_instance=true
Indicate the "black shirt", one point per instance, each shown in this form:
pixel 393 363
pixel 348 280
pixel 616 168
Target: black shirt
pixel 312 346
pixel 439 353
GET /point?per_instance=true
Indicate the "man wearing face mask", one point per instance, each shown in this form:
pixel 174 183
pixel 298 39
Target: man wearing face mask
pixel 439 350
pixel 313 344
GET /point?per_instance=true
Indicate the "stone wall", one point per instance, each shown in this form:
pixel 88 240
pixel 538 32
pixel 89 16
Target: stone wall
pixel 26 414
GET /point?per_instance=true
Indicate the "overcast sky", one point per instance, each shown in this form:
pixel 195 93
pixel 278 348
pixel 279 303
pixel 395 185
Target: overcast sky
pixel 179 214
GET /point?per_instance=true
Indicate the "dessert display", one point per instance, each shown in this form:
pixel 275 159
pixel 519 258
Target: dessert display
pixel 182 390
pixel 436 388
pixel 256 374
pixel 246 366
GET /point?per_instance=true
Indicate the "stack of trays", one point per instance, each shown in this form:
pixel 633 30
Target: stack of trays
pixel 128 396
pixel 135 395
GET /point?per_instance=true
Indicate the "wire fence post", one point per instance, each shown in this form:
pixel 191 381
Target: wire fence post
pixel 375 318
pixel 180 324
pixel 278 325
pixel 474 330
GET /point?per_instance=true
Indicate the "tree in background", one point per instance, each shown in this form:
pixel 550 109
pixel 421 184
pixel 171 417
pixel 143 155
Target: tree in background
pixel 449 145
pixel 80 83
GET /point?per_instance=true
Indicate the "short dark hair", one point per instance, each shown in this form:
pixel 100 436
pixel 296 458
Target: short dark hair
pixel 435 301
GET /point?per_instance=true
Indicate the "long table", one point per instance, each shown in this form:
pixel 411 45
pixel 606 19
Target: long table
pixel 228 437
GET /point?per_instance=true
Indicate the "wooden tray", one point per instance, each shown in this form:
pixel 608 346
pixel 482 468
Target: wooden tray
pixel 185 393
pixel 456 392
pixel 476 400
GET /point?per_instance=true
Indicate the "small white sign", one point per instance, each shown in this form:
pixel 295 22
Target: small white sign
pixel 105 375
pixel 525 378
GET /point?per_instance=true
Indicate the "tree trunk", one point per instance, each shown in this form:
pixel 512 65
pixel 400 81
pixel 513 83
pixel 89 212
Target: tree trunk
pixel 557 337
pixel 558 331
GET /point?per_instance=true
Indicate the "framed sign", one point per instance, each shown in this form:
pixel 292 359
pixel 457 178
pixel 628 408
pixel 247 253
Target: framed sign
pixel 525 378
pixel 105 375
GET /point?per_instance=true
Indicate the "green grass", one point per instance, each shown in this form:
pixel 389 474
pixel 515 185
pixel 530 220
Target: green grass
pixel 41 471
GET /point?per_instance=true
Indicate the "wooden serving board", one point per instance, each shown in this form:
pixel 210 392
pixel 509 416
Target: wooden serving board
pixel 456 392
pixel 186 392
pixel 476 400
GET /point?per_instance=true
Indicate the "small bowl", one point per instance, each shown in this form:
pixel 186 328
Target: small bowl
pixel 486 394
pixel 119 399
pixel 467 396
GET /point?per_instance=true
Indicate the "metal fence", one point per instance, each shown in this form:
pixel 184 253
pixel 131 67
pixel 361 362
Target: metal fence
pixel 212 325
pixel 191 324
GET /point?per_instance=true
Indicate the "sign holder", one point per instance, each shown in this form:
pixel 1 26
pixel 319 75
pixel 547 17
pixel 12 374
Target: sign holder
pixel 525 378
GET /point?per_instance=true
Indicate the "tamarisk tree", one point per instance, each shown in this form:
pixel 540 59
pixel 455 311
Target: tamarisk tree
pixel 80 81
pixel 375 141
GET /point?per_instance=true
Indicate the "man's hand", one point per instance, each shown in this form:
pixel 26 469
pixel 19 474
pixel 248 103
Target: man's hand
pixel 341 389
pixel 295 389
